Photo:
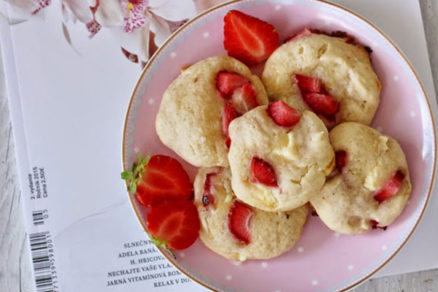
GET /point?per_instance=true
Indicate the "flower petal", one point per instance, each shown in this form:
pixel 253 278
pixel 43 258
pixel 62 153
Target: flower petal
pixel 160 27
pixel 136 42
pixel 81 9
pixel 135 15
pixel 24 5
pixel 173 10
pixel 109 13
pixel 16 11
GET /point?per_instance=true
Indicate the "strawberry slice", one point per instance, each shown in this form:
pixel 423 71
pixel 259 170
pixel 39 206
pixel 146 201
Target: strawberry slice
pixel 239 220
pixel 316 97
pixel 282 114
pixel 341 159
pixel 245 98
pixel 262 172
pixel 228 115
pixel 157 178
pixel 173 224
pixel 375 224
pixel 228 142
pixel 227 83
pixel 207 196
pixel 391 187
pixel 247 38
pixel 322 104
pixel 305 32
pixel 308 84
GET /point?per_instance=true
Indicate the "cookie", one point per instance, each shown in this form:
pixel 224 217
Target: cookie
pixel 275 167
pixel 194 116
pixel 371 185
pixel 337 79
pixel 265 235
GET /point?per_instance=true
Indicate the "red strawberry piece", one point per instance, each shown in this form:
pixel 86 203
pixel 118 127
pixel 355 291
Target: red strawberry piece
pixel 308 84
pixel 245 98
pixel 375 224
pixel 262 172
pixel 227 83
pixel 322 104
pixel 228 115
pixel 247 38
pixel 341 159
pixel 157 178
pixel 207 196
pixel 173 224
pixel 239 220
pixel 305 32
pixel 228 142
pixel 391 187
pixel 316 97
pixel 282 114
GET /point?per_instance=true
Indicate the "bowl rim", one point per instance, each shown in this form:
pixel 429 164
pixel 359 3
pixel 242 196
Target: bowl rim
pixel 325 2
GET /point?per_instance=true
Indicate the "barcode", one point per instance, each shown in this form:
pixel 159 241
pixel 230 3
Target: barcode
pixel 41 247
pixel 39 216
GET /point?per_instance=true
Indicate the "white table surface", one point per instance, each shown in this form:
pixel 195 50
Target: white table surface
pixel 15 269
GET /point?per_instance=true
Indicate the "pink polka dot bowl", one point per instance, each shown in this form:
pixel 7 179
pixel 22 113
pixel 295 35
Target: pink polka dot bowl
pixel 321 260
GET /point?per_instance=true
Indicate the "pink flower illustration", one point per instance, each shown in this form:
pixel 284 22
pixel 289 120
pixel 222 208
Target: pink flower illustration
pixel 134 14
pixel 140 26
pixel 41 5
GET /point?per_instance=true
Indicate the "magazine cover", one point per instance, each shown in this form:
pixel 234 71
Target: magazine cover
pixel 71 67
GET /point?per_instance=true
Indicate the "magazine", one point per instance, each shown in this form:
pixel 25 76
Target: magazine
pixel 70 69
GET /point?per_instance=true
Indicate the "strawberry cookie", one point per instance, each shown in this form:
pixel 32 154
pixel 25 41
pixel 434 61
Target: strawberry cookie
pixel 371 185
pixel 237 231
pixel 199 104
pixel 279 157
pixel 330 75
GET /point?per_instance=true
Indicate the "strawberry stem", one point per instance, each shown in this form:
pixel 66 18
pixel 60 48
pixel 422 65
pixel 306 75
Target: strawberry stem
pixel 162 244
pixel 134 175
